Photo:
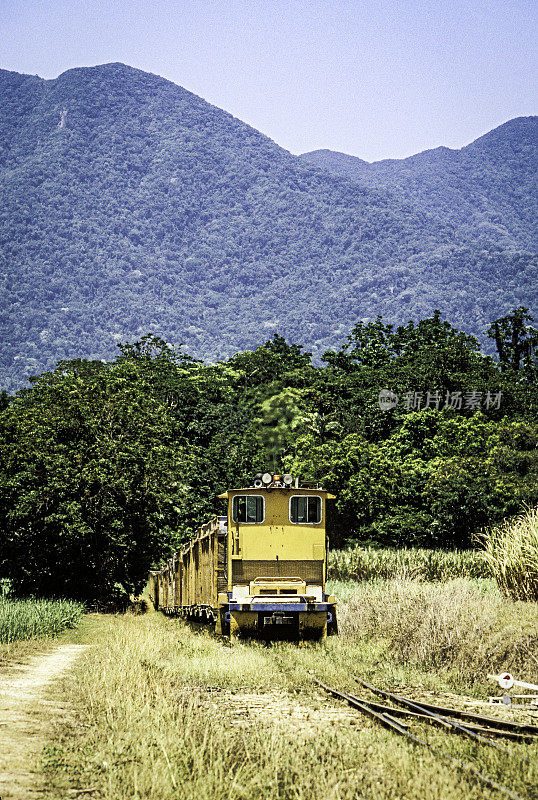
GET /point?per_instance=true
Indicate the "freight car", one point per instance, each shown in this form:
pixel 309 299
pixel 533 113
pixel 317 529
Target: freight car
pixel 260 570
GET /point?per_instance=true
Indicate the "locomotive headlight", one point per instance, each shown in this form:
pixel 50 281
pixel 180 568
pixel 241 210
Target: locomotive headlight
pixel 288 480
pixel 267 478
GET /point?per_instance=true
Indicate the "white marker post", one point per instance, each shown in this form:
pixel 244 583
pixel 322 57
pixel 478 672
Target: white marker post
pixel 507 681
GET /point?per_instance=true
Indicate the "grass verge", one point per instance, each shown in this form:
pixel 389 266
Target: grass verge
pixel 462 629
pixel 511 552
pixel 158 713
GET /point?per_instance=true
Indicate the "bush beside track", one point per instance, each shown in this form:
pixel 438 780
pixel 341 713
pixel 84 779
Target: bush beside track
pixel 511 552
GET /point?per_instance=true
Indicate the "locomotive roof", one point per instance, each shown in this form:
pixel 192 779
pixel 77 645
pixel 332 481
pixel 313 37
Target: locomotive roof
pixel 288 489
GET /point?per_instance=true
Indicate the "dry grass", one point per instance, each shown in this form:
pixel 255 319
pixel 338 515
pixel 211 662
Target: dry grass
pixel 463 627
pixel 21 651
pixel 158 718
pixel 511 553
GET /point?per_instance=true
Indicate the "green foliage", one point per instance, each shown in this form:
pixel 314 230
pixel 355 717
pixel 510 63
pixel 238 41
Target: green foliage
pixel 430 476
pixel 427 356
pixel 516 343
pixel 106 467
pixel 35 618
pixel 280 417
pixel 432 483
pixel 511 552
pixel 93 478
pixel 359 563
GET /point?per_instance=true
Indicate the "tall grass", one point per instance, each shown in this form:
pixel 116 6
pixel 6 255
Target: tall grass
pixel 163 714
pixel 34 618
pixel 511 552
pixel 465 627
pixel 369 563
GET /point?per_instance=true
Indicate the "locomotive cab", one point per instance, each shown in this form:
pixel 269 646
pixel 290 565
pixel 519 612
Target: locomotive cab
pixel 277 561
pixel 260 570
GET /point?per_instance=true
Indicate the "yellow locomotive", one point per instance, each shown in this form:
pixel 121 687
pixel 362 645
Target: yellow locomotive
pixel 260 570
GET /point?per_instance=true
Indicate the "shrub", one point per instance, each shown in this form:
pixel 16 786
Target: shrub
pixel 511 553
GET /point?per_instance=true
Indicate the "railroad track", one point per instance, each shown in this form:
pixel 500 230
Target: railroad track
pixel 482 729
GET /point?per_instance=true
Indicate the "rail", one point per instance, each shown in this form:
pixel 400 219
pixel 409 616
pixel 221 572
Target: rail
pixel 489 726
pixel 435 717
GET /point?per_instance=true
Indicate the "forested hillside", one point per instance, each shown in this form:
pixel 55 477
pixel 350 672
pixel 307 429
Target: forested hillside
pixel 130 206
pixel 488 188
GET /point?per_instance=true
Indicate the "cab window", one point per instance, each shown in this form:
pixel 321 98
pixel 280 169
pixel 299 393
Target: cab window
pixel 247 508
pixel 305 510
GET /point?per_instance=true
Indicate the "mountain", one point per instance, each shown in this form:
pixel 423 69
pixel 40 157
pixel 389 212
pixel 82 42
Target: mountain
pixel 129 206
pixel 489 186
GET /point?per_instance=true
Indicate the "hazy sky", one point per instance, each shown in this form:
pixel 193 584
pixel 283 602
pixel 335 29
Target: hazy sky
pixel 375 78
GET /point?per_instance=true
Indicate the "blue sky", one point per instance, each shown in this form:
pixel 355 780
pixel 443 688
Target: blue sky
pixel 374 78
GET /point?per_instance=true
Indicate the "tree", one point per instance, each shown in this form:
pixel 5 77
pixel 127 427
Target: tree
pixel 94 482
pixel 516 342
pixel 434 482
pixel 281 416
pixel 275 361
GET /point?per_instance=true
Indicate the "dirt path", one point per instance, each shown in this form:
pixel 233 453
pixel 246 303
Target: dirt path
pixel 29 707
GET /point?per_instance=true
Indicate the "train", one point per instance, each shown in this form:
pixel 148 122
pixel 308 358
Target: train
pixel 258 571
